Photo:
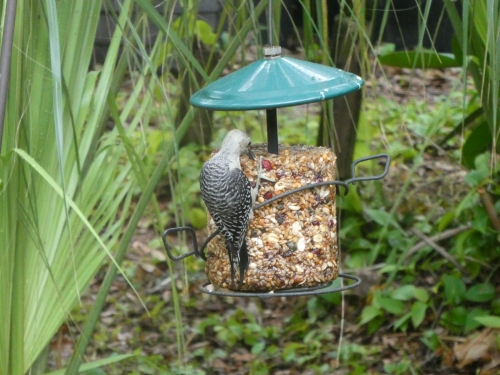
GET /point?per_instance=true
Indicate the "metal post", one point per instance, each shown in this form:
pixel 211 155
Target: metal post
pixel 272 131
pixel 270 23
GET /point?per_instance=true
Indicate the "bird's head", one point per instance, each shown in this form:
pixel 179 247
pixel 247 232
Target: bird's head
pixel 238 141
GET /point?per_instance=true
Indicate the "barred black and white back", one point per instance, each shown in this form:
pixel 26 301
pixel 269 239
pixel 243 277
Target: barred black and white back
pixel 228 195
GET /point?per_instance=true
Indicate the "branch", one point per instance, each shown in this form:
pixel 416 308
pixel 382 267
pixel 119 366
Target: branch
pixel 436 238
pixel 440 250
pixel 490 208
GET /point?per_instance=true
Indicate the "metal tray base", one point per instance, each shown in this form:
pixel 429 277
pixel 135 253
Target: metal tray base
pixel 293 292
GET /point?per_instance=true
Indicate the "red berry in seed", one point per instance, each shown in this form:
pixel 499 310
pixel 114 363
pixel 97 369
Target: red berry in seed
pixel 268 195
pixel 280 174
pixel 266 164
pixel 330 224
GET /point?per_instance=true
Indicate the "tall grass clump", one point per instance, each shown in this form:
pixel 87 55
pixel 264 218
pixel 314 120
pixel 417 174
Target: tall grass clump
pixel 65 188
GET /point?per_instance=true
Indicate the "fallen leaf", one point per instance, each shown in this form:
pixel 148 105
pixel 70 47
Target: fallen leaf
pixel 481 348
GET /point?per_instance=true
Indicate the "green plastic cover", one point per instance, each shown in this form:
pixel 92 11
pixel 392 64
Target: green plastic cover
pixel 276 82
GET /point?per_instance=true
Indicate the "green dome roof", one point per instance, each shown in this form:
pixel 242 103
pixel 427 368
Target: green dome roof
pixel 276 82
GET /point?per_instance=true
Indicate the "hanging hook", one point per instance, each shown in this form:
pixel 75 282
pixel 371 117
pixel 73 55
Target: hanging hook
pixel 270 23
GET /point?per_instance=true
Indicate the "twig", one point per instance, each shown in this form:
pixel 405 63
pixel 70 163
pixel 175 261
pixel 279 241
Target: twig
pixel 440 250
pixel 436 238
pixel 490 208
pixel 5 58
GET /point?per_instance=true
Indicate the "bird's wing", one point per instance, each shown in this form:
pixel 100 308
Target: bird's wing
pixel 231 212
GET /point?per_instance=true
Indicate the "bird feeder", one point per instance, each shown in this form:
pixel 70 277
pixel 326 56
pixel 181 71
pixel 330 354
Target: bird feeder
pixel 292 239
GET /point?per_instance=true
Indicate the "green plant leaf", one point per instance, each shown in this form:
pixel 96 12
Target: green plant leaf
pixel 471 322
pixel 290 350
pixel 431 340
pixel 478 141
pixel 489 321
pixel 205 33
pixel 258 348
pixel 418 313
pixel 424 59
pixel 445 220
pixel 198 218
pixel 454 289
pixel 369 313
pixel 383 218
pixel 421 295
pixel 392 305
pixel 481 172
pixel 96 364
pixel 37 167
pixel 402 323
pixel 404 293
pixel 455 319
pixel 481 293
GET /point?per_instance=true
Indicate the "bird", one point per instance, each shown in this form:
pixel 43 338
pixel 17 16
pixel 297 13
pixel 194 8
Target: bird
pixel 229 197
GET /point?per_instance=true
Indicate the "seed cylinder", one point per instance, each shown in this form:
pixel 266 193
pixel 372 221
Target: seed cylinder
pixel 292 242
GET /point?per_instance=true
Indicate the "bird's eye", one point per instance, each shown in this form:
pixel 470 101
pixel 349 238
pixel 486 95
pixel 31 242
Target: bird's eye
pixel 249 144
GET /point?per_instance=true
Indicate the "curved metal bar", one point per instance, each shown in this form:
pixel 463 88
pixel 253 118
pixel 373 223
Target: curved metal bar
pixel 294 292
pixel 205 243
pixel 274 199
pixel 201 251
pixel 355 179
pixel 305 187
pixel 168 248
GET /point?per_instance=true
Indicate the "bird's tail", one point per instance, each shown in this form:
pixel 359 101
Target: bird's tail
pixel 238 258
pixel 243 260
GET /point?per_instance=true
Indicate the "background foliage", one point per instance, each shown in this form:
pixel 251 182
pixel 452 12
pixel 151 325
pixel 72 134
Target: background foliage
pixel 89 155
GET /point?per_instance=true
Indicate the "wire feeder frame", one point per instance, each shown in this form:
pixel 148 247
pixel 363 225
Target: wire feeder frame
pixel 320 289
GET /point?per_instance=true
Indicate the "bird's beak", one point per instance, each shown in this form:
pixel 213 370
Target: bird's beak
pixel 250 154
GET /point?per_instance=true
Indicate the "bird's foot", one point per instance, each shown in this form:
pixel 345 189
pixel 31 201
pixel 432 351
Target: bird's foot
pixel 260 176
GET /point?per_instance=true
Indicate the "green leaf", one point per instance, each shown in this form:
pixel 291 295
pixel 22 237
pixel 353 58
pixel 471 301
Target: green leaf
pixel 471 323
pixel 454 289
pixel 37 167
pixel 431 340
pixel 163 26
pixel 495 307
pixel 481 293
pixel 478 141
pixel 205 34
pixel 421 295
pixel 402 323
pixel 489 321
pixel 445 220
pixel 393 306
pixel 198 218
pixel 290 351
pixel 424 59
pixel 404 293
pixel 96 364
pixel 369 313
pixel 258 348
pixel 481 171
pixel 455 319
pixel 418 313
pixel 383 218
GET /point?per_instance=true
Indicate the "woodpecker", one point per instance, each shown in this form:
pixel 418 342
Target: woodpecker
pixel 229 197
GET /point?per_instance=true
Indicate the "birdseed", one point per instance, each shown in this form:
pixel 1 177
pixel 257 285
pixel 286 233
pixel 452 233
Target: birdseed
pixel 291 242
